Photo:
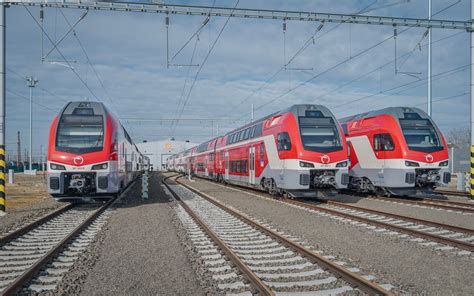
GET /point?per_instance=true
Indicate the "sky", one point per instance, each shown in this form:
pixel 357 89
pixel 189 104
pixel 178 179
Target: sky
pixel 119 58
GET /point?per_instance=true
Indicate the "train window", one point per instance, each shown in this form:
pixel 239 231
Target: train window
pixel 83 111
pixel 314 113
pixel 258 130
pixel 211 156
pixel 246 134
pixel 344 129
pixel 284 141
pixel 80 134
pixel 252 132
pixel 383 142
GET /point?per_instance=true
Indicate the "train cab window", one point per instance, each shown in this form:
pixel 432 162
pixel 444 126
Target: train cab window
pixel 284 141
pixel 383 142
pixel 80 134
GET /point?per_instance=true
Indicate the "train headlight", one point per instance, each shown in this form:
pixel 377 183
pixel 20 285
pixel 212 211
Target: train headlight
pixel 100 166
pixel 342 164
pixel 58 167
pixel 411 163
pixel 305 164
pixel 443 163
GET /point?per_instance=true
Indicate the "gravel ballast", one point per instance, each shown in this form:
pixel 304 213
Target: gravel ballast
pixel 141 252
pixel 421 212
pixel 400 262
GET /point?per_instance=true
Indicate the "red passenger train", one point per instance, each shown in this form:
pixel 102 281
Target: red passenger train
pixel 396 150
pixel 90 154
pixel 296 151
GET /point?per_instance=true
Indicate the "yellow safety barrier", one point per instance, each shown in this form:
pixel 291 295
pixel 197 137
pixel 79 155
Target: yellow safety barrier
pixel 2 179
pixel 472 172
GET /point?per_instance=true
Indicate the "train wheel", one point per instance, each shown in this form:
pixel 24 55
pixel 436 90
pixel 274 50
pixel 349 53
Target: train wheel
pixel 273 189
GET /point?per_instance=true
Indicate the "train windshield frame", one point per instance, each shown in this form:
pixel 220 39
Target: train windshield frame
pixel 319 133
pixel 80 134
pixel 421 135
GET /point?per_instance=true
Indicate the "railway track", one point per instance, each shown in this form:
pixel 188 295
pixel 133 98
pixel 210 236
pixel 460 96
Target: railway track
pixel 272 263
pixel 31 249
pixel 435 233
pixel 435 203
pixel 445 234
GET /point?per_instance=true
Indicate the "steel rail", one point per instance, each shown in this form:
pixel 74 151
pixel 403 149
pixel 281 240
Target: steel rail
pixel 354 279
pixel 430 202
pixel 14 287
pixel 19 232
pixel 455 193
pixel 443 240
pixel 23 279
pixel 405 218
pixel 248 273
pixel 246 13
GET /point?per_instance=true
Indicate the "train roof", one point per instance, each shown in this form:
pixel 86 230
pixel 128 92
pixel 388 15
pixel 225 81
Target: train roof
pixel 297 110
pixel 397 112
pixel 85 108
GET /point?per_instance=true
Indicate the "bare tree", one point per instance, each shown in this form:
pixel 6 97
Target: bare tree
pixel 460 137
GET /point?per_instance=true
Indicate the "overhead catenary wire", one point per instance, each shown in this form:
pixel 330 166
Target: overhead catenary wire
pixel 183 91
pixel 28 99
pixel 22 77
pixel 332 68
pixel 96 74
pixel 202 65
pixel 306 44
pixel 457 69
pixel 61 54
pixel 407 54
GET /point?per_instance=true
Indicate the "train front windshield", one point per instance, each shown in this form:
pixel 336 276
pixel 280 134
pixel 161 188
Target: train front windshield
pixel 319 133
pixel 80 134
pixel 421 135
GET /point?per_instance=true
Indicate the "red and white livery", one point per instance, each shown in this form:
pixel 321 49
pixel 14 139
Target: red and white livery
pixel 90 154
pixel 396 150
pixel 296 151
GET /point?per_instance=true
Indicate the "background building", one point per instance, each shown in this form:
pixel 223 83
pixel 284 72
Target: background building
pixel 158 151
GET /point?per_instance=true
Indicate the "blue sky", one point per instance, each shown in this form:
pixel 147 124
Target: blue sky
pixel 128 52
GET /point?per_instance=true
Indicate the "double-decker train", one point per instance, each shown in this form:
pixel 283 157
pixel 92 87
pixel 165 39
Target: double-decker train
pixel 397 150
pixel 297 151
pixel 90 154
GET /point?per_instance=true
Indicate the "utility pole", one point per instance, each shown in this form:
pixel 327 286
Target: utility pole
pixel 2 107
pixel 31 81
pixel 429 107
pixel 471 33
pixel 18 149
pixel 253 115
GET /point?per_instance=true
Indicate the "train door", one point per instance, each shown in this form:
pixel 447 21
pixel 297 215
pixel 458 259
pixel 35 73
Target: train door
pixel 227 165
pixel 206 162
pixel 252 165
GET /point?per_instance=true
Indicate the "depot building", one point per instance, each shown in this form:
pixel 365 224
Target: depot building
pixel 158 151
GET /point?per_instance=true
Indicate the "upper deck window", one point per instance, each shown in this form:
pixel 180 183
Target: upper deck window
pixel 80 134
